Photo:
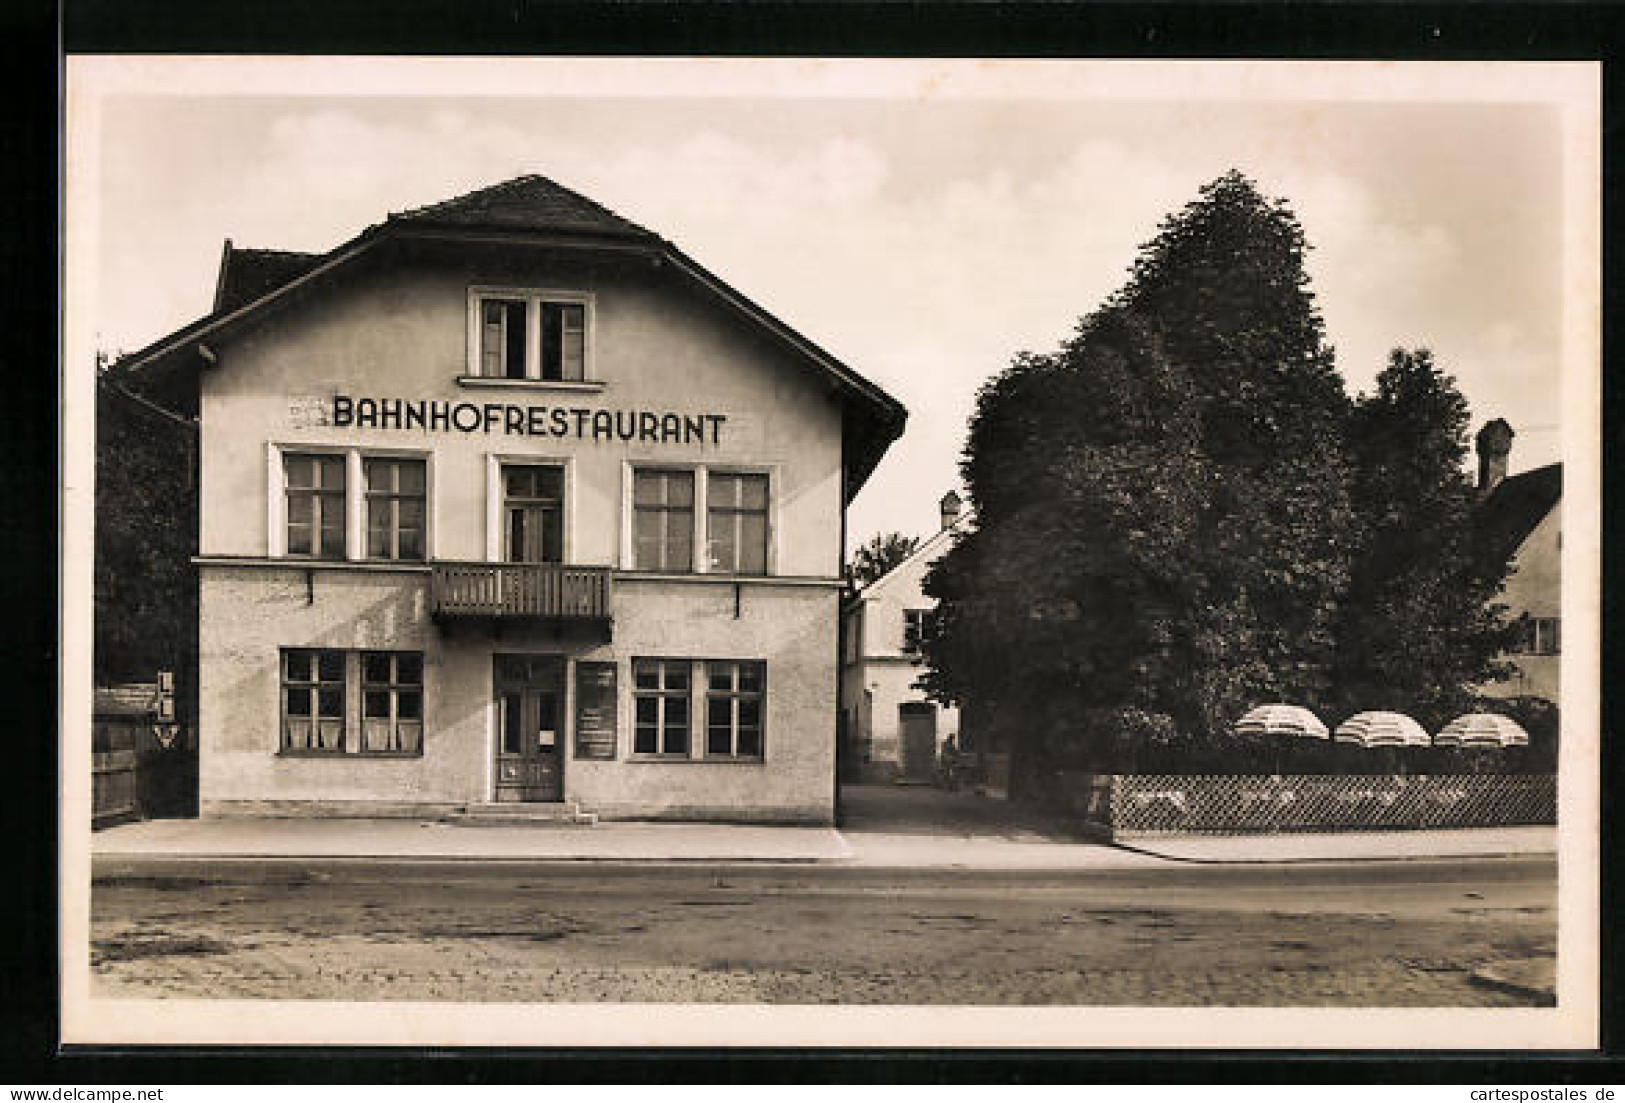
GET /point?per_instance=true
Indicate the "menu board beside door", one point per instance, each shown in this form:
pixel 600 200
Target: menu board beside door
pixel 595 710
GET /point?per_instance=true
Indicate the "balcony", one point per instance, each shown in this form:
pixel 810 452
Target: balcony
pixel 521 591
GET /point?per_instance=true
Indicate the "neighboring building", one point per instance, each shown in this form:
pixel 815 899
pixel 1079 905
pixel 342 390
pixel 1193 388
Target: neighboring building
pixel 1520 523
pixel 507 500
pixel 892 731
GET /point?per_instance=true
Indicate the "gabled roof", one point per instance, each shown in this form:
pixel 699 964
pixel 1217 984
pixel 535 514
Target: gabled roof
pixel 526 210
pixel 246 274
pixel 931 547
pixel 1513 509
pixel 532 203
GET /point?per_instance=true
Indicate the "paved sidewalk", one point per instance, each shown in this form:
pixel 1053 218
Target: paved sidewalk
pixel 1477 842
pixel 433 839
pixel 603 842
pixel 875 846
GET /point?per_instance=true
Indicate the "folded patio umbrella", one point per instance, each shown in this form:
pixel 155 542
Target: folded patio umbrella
pixel 1292 720
pixel 1482 729
pixel 1381 729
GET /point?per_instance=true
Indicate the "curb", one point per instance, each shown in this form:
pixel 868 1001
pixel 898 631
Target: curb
pixel 1495 977
pixel 532 859
pixel 1440 857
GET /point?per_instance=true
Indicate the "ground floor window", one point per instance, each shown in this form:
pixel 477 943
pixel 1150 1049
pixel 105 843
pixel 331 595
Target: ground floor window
pixel 327 693
pixel 313 700
pixel 660 697
pixel 391 702
pixel 728 695
pixel 733 709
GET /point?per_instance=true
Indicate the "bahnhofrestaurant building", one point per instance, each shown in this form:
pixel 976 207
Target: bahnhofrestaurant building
pixel 506 500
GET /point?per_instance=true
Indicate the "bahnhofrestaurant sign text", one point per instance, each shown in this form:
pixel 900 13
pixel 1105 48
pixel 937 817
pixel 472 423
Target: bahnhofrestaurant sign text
pixel 509 419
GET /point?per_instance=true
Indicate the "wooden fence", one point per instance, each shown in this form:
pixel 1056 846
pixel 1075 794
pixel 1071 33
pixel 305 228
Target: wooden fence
pixel 1129 805
pixel 139 767
pixel 115 794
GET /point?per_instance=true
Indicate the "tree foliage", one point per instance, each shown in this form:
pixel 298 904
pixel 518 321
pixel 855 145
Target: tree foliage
pixel 1170 516
pixel 1419 627
pixel 145 585
pixel 878 556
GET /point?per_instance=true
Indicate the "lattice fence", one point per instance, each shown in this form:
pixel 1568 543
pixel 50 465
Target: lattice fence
pixel 1147 804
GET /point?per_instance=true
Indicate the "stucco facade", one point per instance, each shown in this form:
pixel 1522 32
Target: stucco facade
pixel 1519 523
pixel 250 612
pixel 380 361
pixel 1533 589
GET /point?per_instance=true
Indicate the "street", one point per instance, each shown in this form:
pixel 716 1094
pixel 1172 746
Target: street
pixel 1354 934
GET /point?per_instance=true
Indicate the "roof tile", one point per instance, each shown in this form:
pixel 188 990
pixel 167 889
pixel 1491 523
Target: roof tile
pixel 526 203
pixel 246 274
pixel 1516 505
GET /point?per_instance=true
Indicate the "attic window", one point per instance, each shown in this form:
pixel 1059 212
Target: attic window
pixel 522 335
pixel 502 339
pixel 564 340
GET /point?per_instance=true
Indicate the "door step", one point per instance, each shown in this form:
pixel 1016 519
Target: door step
pixel 508 813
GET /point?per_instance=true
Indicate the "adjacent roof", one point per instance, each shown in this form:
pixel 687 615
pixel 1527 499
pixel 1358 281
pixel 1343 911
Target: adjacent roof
pixel 529 209
pixel 246 274
pixel 1513 509
pixel 929 548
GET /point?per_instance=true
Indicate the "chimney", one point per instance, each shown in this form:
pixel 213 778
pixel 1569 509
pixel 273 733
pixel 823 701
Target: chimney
pixel 950 509
pixel 1494 446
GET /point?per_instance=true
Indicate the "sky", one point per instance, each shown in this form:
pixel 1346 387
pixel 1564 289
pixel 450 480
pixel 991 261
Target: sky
pixel 923 229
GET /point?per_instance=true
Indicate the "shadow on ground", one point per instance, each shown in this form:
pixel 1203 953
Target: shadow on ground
pixel 929 811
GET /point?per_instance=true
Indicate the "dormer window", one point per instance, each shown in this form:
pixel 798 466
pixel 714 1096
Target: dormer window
pixel 538 336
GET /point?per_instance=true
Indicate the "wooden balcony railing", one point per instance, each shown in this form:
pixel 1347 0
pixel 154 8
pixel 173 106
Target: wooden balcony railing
pixel 542 591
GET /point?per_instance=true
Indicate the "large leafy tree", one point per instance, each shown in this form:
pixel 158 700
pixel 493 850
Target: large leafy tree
pixel 1225 284
pixel 1063 596
pixel 1163 515
pixel 145 585
pixel 1419 626
pixel 879 555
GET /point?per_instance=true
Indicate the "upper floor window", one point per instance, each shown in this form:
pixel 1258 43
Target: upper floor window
pixel 564 341
pixel 736 523
pixel 530 336
pixel 395 508
pixel 533 513
pixel 917 626
pixel 348 504
pixel 723 513
pixel 314 487
pixel 502 338
pixel 1538 636
pixel 663 520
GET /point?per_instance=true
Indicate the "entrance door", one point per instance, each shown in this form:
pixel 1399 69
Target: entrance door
pixel 530 721
pixel 918 736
